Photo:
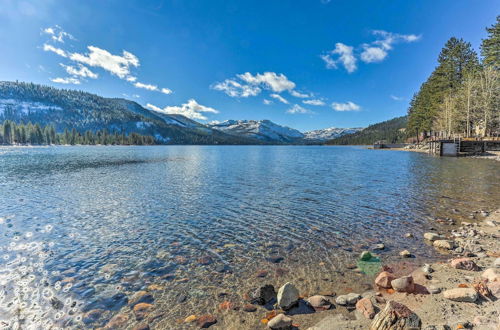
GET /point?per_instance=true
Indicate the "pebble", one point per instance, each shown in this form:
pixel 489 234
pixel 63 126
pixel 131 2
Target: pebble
pixel 365 306
pixel 379 246
pixel 443 244
pixel 461 294
pixel 384 280
pixel 408 235
pixel 405 254
pixel 261 273
pixel 206 321
pixel 280 322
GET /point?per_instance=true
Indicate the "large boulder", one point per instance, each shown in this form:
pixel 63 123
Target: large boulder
pixel 461 294
pixel 464 263
pixel 384 280
pixel 288 296
pixel 280 322
pixel 403 284
pixel 396 316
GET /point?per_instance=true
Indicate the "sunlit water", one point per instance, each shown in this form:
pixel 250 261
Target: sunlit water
pixel 83 228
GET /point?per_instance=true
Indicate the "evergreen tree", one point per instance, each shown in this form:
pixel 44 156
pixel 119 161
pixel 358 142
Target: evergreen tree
pixel 490 47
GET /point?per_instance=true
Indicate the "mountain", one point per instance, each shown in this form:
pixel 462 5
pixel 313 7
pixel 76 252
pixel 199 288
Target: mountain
pixel 263 130
pixel 329 133
pixel 67 109
pixel 393 131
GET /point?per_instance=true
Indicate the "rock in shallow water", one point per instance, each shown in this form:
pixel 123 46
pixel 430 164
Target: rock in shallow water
pixel 288 296
pixel 262 295
pixel 405 254
pixel 365 256
pixel 206 321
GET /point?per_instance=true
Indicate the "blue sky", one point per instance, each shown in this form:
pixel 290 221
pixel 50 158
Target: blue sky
pixel 307 64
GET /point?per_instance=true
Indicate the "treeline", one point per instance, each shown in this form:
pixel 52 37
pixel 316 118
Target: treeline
pixel 34 134
pixel 392 131
pixel 462 95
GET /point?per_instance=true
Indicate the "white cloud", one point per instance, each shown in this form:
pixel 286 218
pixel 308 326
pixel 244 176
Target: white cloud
pixel 314 102
pixel 81 71
pixel 191 109
pixel 235 89
pixel 166 91
pixel 58 51
pixel 115 64
pixel 346 57
pixel 267 102
pixel 373 54
pixel 297 109
pixel 270 80
pixel 299 94
pixel 131 79
pixel 149 87
pixel 348 106
pixel 57 33
pixel 397 98
pixel 377 50
pixel 67 80
pixel 279 98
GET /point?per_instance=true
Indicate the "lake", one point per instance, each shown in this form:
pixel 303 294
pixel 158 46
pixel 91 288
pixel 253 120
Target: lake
pixel 84 228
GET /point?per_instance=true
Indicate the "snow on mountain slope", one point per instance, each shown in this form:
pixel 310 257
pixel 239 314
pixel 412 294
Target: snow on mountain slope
pixel 329 133
pixel 264 130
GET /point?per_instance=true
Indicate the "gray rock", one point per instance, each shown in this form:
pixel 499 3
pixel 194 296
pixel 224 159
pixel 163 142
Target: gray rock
pixel 288 296
pixel 379 246
pixel 319 302
pixel 432 236
pixel 280 322
pixel 403 284
pixel 461 294
pixel 347 299
pixel 262 295
pixel 444 244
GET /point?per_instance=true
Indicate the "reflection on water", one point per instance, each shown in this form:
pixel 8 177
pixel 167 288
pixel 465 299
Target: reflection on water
pixel 84 228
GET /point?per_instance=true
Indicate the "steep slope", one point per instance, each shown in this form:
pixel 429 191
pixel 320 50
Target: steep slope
pixel 67 109
pixel 393 131
pixel 329 133
pixel 263 130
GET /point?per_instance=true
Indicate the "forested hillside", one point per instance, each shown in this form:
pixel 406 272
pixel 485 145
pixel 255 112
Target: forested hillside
pixel 64 109
pixel 462 95
pixel 393 131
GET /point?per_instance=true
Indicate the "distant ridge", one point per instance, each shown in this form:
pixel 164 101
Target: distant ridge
pixel 393 131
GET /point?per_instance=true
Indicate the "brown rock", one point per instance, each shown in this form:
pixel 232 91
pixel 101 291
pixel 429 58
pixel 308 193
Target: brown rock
pixel 140 297
pixel 261 273
pixel 206 321
pixel 142 310
pixel 319 303
pixel 249 308
pixel 403 284
pixel 384 280
pixel 117 321
pixel 461 294
pixel 366 307
pixel 464 263
pixel 395 316
pixel 226 305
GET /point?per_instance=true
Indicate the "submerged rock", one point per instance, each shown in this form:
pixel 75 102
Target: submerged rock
pixel 142 310
pixel 262 295
pixel 280 322
pixel 288 296
pixel 365 256
pixel 205 321
pixel 396 316
pixel 140 297
pixel 461 294
pixel 405 254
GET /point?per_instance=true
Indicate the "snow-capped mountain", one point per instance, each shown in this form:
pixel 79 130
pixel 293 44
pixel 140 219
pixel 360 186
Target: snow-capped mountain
pixel 264 130
pixel 329 133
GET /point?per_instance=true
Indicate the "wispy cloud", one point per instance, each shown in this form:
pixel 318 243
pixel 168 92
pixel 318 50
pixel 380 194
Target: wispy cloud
pixel 372 52
pixel 58 51
pixel 397 98
pixel 348 106
pixel 314 102
pixel 267 102
pixel 57 34
pixel 279 98
pixel 67 80
pixel 297 109
pixel 270 80
pixel 81 71
pixel 299 94
pixel 345 57
pixel 190 109
pixel 235 89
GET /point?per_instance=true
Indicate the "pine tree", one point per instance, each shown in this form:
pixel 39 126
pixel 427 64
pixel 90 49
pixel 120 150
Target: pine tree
pixel 490 47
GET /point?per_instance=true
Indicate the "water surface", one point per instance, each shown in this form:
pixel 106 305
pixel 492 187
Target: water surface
pixel 83 228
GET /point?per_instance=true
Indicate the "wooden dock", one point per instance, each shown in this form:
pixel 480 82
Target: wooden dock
pixel 459 147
